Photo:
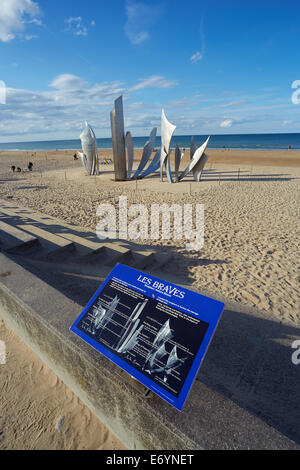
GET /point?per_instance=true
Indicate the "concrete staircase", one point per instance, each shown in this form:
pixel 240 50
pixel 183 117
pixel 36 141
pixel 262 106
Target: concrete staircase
pixel 39 238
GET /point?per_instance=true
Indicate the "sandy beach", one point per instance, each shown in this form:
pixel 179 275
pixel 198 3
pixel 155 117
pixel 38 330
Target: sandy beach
pixel 251 217
pixel 250 255
pixel 38 412
pixel 63 158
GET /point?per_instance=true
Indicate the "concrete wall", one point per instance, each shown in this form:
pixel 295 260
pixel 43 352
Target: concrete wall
pixel 41 316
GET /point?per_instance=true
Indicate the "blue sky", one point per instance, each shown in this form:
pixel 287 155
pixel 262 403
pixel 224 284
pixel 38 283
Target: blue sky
pixel 217 67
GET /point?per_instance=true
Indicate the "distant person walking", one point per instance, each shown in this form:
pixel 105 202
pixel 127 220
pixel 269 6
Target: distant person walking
pixel 13 168
pixel 30 166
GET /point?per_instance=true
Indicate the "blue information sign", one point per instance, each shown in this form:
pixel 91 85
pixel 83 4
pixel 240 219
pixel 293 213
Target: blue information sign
pixel 154 330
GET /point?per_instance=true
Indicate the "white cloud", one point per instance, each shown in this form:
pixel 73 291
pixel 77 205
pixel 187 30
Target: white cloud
pixel 28 37
pixel 14 15
pixel 196 57
pixel 68 82
pixel 140 18
pixel 31 114
pixel 226 123
pixel 76 26
pixel 153 82
pixel 60 112
pixel 35 21
pixel 233 103
pixel 199 54
pixel 135 105
pixel 38 115
pixel 138 38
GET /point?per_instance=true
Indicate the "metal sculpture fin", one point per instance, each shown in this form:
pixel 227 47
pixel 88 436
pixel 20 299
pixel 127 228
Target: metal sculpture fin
pixel 197 155
pixel 130 153
pixel 167 131
pixel 153 166
pixel 89 147
pixel 197 171
pixel 148 149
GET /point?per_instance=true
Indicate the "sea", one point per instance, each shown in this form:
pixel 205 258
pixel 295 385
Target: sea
pixel 229 141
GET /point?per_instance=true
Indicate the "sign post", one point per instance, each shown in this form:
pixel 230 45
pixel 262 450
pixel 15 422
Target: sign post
pixel 154 330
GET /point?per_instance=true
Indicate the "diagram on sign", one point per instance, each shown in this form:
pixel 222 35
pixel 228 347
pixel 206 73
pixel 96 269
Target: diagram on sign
pixel 158 340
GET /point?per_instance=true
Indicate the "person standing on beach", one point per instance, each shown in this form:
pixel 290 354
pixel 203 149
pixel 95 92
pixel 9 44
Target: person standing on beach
pixel 13 168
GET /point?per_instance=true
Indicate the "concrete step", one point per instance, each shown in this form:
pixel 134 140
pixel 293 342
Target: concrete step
pixel 91 251
pixel 53 244
pixel 117 254
pixel 10 210
pixel 87 248
pixel 14 240
pixel 161 260
pixel 143 258
pixel 86 242
pixel 90 245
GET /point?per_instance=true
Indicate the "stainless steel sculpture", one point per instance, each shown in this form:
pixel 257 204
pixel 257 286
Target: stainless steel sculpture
pixel 161 159
pixel 195 160
pixel 193 148
pixel 148 149
pixel 178 157
pixel 130 151
pixel 153 166
pixel 167 131
pixel 89 157
pixel 198 168
pixel 118 140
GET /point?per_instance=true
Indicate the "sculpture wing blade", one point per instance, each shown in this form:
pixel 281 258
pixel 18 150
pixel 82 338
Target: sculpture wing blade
pixel 154 165
pixel 193 148
pixel 178 156
pixel 89 147
pixel 130 153
pixel 148 149
pixel 83 160
pixel 197 155
pixel 167 131
pixel 199 167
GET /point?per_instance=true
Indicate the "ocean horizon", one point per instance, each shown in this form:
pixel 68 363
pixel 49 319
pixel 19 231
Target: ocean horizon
pixel 228 141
